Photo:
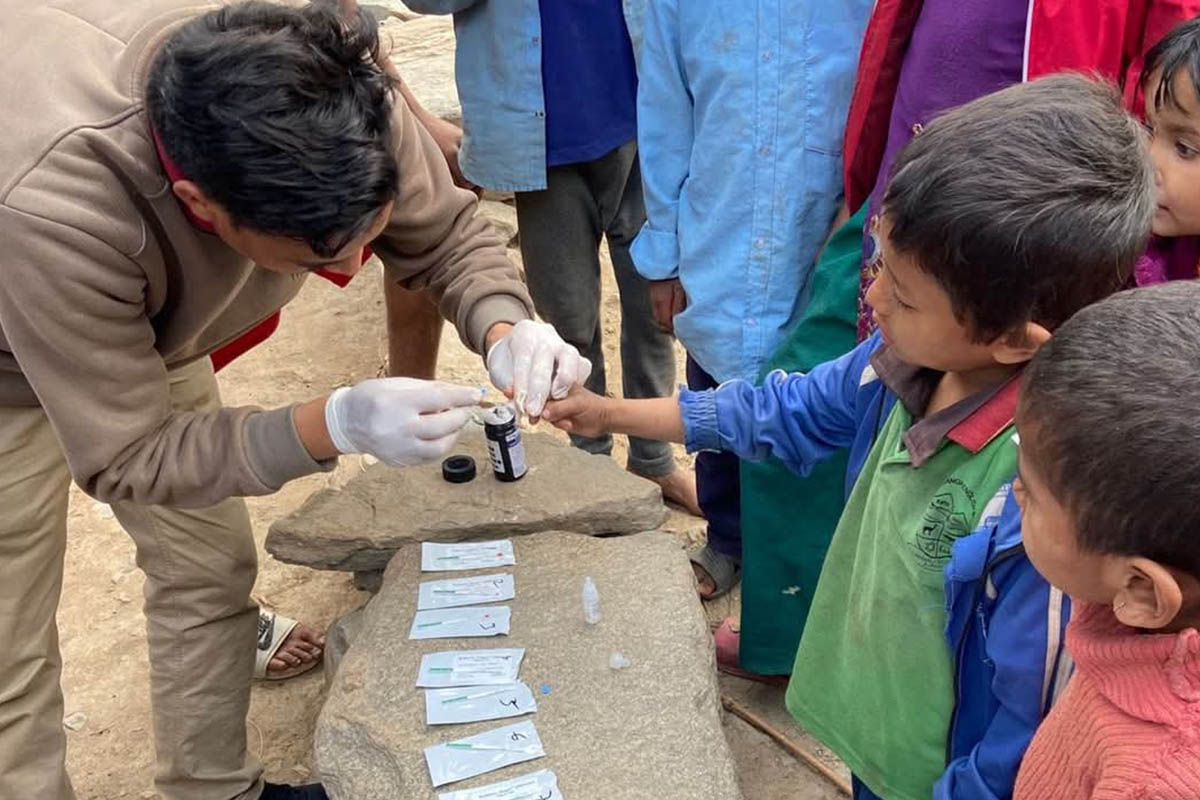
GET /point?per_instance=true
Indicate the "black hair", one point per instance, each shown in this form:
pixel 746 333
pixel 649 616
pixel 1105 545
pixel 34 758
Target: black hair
pixel 1106 418
pixel 1177 53
pixel 281 115
pixel 1026 204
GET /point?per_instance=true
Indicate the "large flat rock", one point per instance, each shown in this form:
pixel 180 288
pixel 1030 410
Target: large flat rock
pixel 360 526
pixel 651 731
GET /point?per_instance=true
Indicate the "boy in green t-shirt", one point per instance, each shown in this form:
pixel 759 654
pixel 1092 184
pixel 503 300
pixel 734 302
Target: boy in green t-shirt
pixel 1001 220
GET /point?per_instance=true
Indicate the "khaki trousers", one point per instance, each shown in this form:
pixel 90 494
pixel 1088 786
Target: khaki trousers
pixel 199 564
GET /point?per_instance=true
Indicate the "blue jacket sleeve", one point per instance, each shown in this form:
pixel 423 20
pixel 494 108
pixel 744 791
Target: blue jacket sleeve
pixel 799 418
pixel 665 138
pixel 1025 644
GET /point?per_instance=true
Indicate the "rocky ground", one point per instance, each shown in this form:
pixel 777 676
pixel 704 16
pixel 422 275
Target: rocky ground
pixel 328 337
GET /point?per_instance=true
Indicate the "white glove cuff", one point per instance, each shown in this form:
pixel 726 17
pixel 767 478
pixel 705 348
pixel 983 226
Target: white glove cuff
pixel 487 359
pixel 333 421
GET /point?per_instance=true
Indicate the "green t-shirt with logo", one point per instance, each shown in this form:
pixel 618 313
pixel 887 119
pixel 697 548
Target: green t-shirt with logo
pixel 873 675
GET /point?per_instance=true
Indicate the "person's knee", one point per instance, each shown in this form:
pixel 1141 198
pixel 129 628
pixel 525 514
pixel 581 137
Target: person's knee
pixel 232 588
pixel 36 527
pixel 625 227
pixel 208 554
pixel 409 305
pixel 243 566
pixel 37 680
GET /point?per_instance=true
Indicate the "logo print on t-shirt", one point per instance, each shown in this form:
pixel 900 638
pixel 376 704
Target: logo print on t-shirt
pixel 947 519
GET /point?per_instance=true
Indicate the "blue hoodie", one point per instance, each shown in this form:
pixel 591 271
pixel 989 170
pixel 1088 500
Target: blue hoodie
pixel 1005 623
pixel 1005 627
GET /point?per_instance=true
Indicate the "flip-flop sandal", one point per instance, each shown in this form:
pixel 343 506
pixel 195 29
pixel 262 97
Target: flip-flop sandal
pixel 727 637
pixel 273 631
pixel 724 570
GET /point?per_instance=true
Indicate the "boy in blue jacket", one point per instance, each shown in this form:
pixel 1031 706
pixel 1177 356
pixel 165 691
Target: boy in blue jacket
pixel 1001 219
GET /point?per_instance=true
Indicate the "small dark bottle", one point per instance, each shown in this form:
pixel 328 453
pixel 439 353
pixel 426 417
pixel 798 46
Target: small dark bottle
pixel 504 443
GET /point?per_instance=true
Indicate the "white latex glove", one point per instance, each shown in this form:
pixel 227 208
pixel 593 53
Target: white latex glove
pixel 400 421
pixel 535 363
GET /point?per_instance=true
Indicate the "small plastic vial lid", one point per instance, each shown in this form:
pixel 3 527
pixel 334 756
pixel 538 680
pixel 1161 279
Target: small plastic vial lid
pixel 499 415
pixel 459 469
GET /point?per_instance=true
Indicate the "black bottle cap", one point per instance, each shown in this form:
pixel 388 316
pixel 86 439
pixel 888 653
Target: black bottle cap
pixel 459 469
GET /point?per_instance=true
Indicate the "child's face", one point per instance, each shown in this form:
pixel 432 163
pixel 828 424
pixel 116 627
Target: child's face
pixel 915 316
pixel 1051 541
pixel 1175 149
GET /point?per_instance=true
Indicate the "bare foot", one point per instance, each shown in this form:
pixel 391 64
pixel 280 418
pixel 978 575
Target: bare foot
pixel 706 587
pixel 303 645
pixel 678 487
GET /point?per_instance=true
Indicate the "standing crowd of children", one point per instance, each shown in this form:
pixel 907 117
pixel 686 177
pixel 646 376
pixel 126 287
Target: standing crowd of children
pixel 968 539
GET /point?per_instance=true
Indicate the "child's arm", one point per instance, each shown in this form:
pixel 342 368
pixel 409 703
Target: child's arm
pixel 1025 643
pixel 797 418
pixel 589 414
pixel 665 138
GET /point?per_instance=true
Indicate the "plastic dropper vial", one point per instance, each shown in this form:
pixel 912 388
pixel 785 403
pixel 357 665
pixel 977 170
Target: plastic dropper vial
pixel 591 601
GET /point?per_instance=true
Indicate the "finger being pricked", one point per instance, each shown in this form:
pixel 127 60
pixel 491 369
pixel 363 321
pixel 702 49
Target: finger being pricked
pixel 558 412
pixel 559 415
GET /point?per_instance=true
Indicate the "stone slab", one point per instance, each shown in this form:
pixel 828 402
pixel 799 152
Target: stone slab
pixel 360 526
pixel 368 580
pixel 340 634
pixel 652 730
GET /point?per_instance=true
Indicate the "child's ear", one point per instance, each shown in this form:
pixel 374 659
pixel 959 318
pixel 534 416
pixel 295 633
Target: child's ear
pixel 1020 344
pixel 1150 598
pixel 195 199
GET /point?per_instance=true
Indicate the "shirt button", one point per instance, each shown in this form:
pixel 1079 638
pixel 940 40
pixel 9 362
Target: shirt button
pixel 751 322
pixel 536 40
pixel 760 243
pixel 767 56
pixel 764 151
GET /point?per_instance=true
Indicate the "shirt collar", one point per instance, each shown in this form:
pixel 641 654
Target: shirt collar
pixel 1153 677
pixel 971 423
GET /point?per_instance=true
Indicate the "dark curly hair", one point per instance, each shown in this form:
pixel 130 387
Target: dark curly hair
pixel 282 116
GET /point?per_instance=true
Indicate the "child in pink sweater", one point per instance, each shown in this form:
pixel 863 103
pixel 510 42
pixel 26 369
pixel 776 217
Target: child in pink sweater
pixel 1110 498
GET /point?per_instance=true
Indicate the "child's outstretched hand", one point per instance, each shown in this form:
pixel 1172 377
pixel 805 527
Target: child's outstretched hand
pixel 581 412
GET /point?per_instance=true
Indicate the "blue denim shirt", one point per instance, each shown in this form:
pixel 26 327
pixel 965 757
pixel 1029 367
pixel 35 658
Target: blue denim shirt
pixel 741 113
pixel 498 70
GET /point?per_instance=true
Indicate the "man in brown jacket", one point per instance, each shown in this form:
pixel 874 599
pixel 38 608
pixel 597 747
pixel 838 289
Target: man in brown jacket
pixel 170 171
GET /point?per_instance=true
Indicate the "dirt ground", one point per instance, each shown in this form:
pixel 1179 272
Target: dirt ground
pixel 328 337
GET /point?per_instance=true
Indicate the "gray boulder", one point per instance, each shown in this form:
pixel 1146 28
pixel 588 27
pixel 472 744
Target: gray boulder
pixel 650 730
pixel 360 526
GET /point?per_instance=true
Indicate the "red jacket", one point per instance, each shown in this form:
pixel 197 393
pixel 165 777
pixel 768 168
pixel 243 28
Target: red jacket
pixel 1109 37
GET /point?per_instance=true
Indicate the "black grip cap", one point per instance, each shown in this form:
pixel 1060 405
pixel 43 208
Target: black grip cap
pixel 459 469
